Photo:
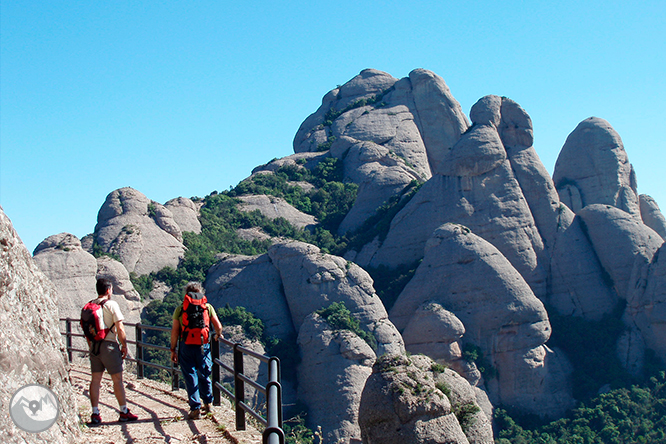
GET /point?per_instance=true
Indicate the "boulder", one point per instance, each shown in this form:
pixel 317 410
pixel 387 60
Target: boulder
pixel 435 332
pixel 340 361
pixel 33 353
pixel 478 151
pixel 142 233
pixel 593 168
pixel 622 242
pixel 254 283
pixel 186 214
pixel 273 207
pixel 313 280
pixel 71 269
pixel 404 400
pixel 469 277
pixel 652 215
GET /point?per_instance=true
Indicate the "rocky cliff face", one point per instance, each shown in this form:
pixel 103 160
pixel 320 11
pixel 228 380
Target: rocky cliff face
pixel 141 232
pixel 493 240
pixel 31 349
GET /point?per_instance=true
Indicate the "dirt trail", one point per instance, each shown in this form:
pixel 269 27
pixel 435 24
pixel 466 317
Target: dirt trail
pixel 160 412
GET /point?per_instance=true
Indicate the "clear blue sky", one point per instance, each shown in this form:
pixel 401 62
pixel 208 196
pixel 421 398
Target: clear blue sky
pixel 183 98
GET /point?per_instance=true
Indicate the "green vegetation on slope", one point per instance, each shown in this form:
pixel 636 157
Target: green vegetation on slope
pixel 633 415
pixel 338 316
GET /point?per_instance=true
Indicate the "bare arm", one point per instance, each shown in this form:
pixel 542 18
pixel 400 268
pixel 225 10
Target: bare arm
pixel 122 337
pixel 175 333
pixel 217 325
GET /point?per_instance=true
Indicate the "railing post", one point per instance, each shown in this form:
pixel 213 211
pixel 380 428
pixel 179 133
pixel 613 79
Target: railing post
pixel 215 351
pixel 68 338
pixel 239 388
pixel 273 434
pixel 139 351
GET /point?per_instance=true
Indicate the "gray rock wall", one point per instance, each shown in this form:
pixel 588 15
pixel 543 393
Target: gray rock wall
pixel 31 348
pixel 470 278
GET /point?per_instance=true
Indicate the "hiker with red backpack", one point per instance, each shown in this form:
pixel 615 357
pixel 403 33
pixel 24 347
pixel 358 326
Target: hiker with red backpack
pixel 191 332
pixel 102 324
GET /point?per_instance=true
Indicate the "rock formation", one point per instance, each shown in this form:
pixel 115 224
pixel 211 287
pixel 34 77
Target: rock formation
pixel 472 208
pixel 141 232
pixel 593 168
pixel 186 214
pixel 337 359
pixel 71 269
pixel 252 282
pixel 652 215
pixel 475 186
pixel 75 271
pixel 389 132
pixel 274 207
pixel 410 400
pixel 31 348
pixel 313 280
pixel 470 278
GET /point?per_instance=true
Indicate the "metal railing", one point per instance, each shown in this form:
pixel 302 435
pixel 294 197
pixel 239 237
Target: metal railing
pixel 273 432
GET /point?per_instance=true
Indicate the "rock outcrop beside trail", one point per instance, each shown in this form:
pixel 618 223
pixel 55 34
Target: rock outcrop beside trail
pixel 143 233
pixel 407 400
pixel 333 358
pixel 33 353
pixel 252 282
pixel 285 288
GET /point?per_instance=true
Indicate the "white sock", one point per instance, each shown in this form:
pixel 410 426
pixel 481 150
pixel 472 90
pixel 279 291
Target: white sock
pixel 95 410
pixel 123 408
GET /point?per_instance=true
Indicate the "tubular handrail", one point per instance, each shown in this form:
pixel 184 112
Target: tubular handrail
pixel 273 433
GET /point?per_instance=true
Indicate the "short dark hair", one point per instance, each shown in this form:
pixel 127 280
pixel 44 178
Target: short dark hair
pixel 103 286
pixel 194 287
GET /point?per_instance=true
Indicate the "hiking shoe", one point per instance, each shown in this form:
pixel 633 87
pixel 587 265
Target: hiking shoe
pixel 207 408
pixel 95 419
pixel 124 417
pixel 194 414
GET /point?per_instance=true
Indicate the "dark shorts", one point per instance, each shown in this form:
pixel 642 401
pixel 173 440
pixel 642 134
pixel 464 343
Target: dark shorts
pixel 109 358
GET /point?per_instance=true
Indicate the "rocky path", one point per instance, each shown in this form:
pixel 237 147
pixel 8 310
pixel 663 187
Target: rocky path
pixel 161 415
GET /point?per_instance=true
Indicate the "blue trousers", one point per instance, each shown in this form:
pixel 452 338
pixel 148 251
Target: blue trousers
pixel 197 368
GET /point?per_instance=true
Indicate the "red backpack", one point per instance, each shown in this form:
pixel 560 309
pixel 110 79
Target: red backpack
pixel 196 321
pixel 92 322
